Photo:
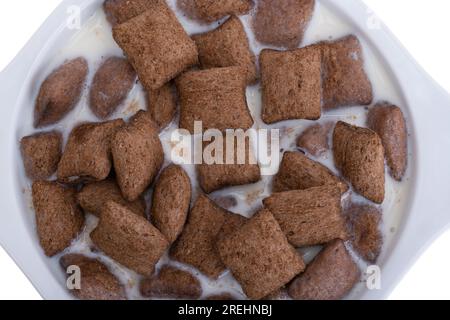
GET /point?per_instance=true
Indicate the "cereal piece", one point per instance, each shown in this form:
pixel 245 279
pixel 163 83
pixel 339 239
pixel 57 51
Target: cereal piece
pixel 129 239
pixel 112 83
pixel 41 154
pixel 227 46
pixel 345 83
pixel 156 45
pixel 97 282
pixel 388 121
pixel 364 222
pixel 197 244
pixel 216 97
pixel 87 156
pixel 221 297
pixel 359 154
pixel 172 283
pixel 138 155
pixel 291 84
pixel 58 218
pixel 212 10
pixel 260 257
pixel 330 276
pixel 226 202
pixel 309 217
pixel 93 198
pixel 60 92
pixel 213 177
pixel 315 138
pixel 120 11
pixel 282 23
pixel 171 200
pixel 162 105
pixel 298 172
pixel 232 223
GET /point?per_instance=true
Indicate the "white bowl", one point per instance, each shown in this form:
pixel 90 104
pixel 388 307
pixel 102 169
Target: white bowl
pixel 428 107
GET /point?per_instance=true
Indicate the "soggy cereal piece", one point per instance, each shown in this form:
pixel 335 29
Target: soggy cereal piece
pixel 330 276
pixel 309 217
pixel 282 23
pixel 60 92
pixel 41 153
pixel 171 201
pixel 260 257
pixel 129 239
pixel 197 244
pixel 138 155
pixel 244 169
pixel 291 84
pixel 315 139
pixel 58 217
pixel 87 156
pixel 388 121
pixel 366 237
pixel 212 10
pixel 216 97
pixel 171 283
pixel 162 105
pixel 345 83
pixel 359 154
pixel 111 85
pixel 298 172
pixel 120 11
pixel 93 198
pixel 97 282
pixel 156 45
pixel 226 202
pixel 227 46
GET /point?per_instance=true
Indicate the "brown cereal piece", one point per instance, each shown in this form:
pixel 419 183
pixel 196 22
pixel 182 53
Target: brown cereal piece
pixel 216 97
pixel 244 169
pixel 315 139
pixel 212 10
pixel 260 257
pixel 232 223
pixel 171 283
pixel 282 23
pixel 129 239
pixel 221 297
pixel 226 202
pixel 41 153
pixel 138 155
pixel 120 11
pixel 344 81
pixel 291 84
pixel 97 282
pixel 171 201
pixel 93 198
pixel 227 46
pixel 330 276
pixel 359 154
pixel 197 244
pixel 298 172
pixel 366 237
pixel 388 121
pixel 156 45
pixel 60 92
pixel 111 85
pixel 309 217
pixel 58 218
pixel 87 155
pixel 162 105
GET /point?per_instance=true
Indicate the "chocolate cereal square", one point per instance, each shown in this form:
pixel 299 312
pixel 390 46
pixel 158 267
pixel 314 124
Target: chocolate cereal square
pixel 227 46
pixel 58 218
pixel 129 239
pixel 41 153
pixel 212 10
pixel 156 45
pixel 120 11
pixel 216 97
pixel 260 257
pixel 291 84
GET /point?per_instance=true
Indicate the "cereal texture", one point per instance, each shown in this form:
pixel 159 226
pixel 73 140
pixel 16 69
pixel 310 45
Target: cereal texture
pixel 314 139
pixel 120 11
pixel 212 10
pixel 162 105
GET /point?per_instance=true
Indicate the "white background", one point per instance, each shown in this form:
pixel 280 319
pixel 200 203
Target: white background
pixel 422 26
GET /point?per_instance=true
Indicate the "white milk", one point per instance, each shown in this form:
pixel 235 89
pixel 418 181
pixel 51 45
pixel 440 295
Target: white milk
pixel 94 42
